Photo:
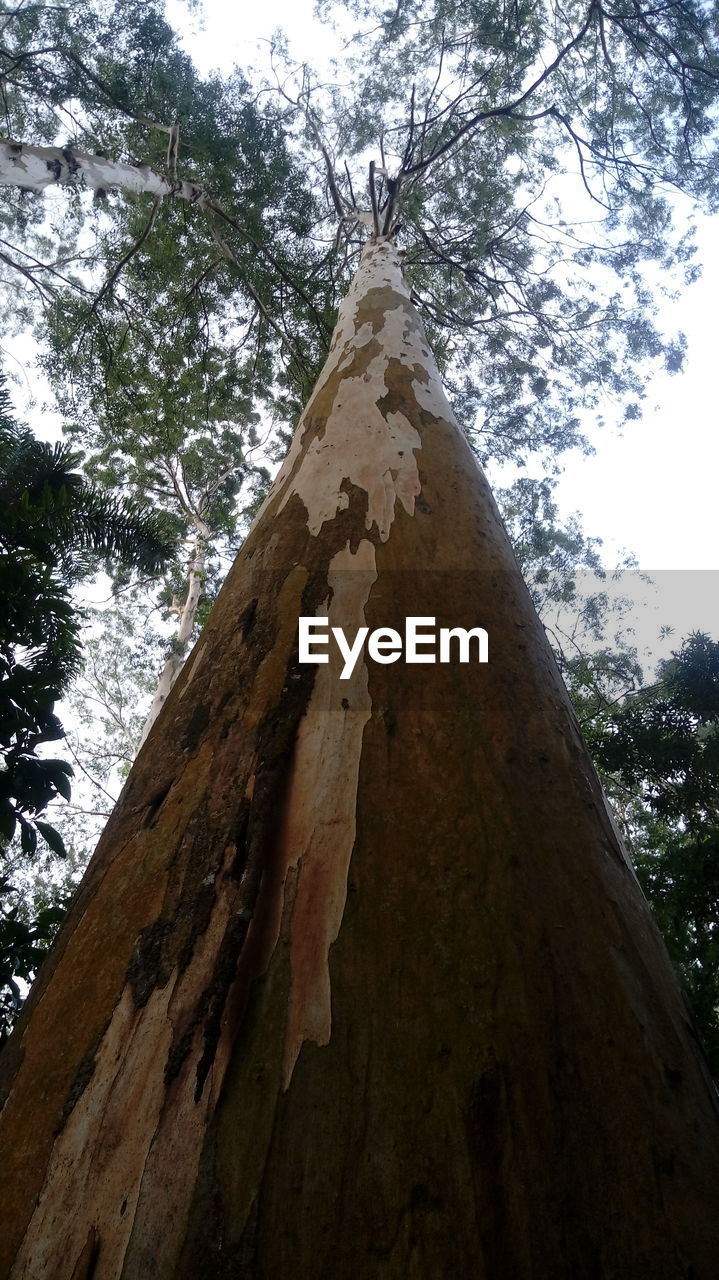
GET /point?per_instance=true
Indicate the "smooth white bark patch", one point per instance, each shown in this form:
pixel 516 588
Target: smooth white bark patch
pixel 361 444
pixel 319 831
pixel 37 168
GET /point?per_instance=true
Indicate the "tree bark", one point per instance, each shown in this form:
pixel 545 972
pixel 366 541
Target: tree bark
pixel 37 168
pixel 359 981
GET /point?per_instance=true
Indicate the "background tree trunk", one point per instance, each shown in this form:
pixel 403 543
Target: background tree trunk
pixel 175 660
pixel 37 168
pixel 360 982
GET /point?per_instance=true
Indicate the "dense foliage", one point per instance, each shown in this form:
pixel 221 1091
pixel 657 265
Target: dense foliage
pixel 525 167
pixel 127 282
pixel 658 751
pixel 55 528
pixel 529 153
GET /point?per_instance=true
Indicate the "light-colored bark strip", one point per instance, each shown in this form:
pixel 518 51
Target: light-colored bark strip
pixel 109 1144
pixel 36 168
pixel 319 834
pixel 361 444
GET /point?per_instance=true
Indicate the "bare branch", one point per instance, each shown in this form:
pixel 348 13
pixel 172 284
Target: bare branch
pixel 46 292
pixel 509 109
pixel 82 769
pixel 373 197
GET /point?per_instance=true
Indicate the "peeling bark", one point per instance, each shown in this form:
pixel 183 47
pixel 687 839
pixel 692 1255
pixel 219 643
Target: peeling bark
pixel 359 981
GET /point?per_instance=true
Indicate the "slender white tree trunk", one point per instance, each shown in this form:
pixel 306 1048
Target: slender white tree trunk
pixel 176 658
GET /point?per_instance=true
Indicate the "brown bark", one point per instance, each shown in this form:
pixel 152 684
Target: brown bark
pixel 360 982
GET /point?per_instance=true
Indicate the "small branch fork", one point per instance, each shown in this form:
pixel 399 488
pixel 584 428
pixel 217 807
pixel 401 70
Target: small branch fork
pixel 380 217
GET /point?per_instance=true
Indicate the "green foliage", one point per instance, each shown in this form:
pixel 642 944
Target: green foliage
pixel 53 515
pixel 588 623
pixel 667 737
pixel 176 324
pixel 55 528
pixel 551 553
pixel 112 79
pixel 536 146
pixel 27 927
pixel 659 754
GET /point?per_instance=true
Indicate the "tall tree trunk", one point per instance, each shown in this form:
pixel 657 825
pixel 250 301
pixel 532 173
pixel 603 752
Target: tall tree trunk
pixel 359 982
pixel 175 659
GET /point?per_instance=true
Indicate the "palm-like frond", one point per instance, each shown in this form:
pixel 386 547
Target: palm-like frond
pixel 49 510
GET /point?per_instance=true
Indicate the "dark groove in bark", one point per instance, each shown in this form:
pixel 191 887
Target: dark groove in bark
pixel 216 995
pixel 82 1079
pixel 196 726
pixel 246 620
pixel 201 908
pixel 86 1264
pixel 180 1048
pixel 147 968
pixel 156 802
pixel 240 860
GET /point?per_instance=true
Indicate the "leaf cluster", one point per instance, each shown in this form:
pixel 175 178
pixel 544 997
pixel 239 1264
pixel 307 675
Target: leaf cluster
pixel 26 931
pixel 55 528
pixel 112 79
pixel 529 164
pixel 659 754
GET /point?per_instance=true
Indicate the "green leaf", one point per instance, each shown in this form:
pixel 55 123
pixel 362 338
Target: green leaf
pixel 28 836
pixel 59 772
pixel 53 838
pixel 7 820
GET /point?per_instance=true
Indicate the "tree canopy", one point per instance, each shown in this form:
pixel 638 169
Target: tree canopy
pixel 526 168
